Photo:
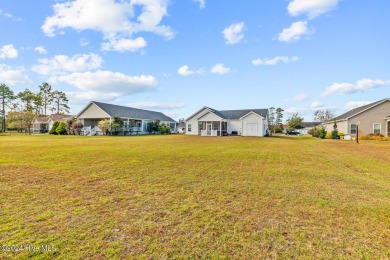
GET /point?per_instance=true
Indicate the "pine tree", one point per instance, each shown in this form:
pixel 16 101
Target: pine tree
pixel 6 97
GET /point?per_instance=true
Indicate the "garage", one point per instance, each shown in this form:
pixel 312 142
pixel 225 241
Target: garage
pixel 251 129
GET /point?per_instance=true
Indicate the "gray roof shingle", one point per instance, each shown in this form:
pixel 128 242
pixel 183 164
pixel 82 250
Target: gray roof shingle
pixel 356 111
pixel 310 124
pixel 237 114
pixel 130 112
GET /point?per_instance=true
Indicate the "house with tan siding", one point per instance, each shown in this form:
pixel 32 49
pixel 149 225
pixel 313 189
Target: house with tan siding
pixel 373 118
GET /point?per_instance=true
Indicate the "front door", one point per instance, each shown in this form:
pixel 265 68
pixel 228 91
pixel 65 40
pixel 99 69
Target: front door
pixel 208 128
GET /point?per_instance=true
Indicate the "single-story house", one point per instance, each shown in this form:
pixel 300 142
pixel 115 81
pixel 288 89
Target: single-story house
pixel 369 119
pixel 307 126
pixel 43 124
pixel 134 118
pixel 212 122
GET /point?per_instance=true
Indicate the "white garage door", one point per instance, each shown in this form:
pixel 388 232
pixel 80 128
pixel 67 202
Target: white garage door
pixel 251 129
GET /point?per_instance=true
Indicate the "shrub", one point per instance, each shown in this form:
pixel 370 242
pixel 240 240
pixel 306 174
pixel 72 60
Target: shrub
pixel 54 128
pixel 278 130
pixel 319 132
pixel 75 128
pixel 115 128
pixel 104 125
pixel 329 135
pixel 61 128
pixel 335 132
pixel 164 129
pixel 377 137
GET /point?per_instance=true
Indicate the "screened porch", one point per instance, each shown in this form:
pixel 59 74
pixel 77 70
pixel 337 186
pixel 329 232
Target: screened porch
pixel 212 128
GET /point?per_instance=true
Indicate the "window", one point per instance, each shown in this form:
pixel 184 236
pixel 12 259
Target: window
pixel 189 127
pixel 377 128
pixel 353 129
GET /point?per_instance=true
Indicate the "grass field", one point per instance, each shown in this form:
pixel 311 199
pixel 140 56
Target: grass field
pixel 194 197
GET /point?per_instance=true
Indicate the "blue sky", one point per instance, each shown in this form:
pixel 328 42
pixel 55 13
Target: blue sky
pixel 180 55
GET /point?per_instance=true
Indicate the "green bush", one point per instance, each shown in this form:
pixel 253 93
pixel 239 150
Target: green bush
pixel 278 130
pixel 164 129
pixel 61 128
pixel 54 128
pixel 319 132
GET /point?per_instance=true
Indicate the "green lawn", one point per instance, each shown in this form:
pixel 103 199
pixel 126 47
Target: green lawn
pixel 194 197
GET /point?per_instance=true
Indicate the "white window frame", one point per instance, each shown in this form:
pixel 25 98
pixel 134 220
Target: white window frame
pixel 380 128
pixel 350 130
pixel 189 128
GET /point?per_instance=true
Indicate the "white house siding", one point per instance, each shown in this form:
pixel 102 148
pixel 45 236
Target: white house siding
pixel 209 117
pixel 93 111
pixel 342 126
pixel 194 126
pixel 193 121
pixel 234 125
pixel 252 125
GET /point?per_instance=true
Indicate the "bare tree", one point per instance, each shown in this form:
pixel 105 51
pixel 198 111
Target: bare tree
pixel 323 115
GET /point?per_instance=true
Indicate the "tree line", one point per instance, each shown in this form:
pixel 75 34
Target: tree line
pixel 25 105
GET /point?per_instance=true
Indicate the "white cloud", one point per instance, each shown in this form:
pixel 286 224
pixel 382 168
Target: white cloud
pixel 360 86
pixel 82 97
pixel 84 42
pixel 123 44
pixel 355 104
pixel 60 64
pixel 114 83
pixel 274 61
pixel 301 97
pixel 293 110
pixel 156 105
pixel 202 3
pixel 294 32
pixel 233 34
pixel 8 15
pixel 220 68
pixel 8 52
pixel 40 49
pixel 316 104
pixel 116 20
pixel 13 76
pixel 311 8
pixel 185 71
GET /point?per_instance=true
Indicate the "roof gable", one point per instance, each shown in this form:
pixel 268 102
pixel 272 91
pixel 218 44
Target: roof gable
pixel 357 110
pixel 208 113
pixel 251 113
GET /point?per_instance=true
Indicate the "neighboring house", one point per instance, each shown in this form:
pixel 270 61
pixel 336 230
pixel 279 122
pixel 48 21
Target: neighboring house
pixel 134 118
pixel 181 126
pixel 44 124
pixel 307 126
pixel 211 122
pixel 370 119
